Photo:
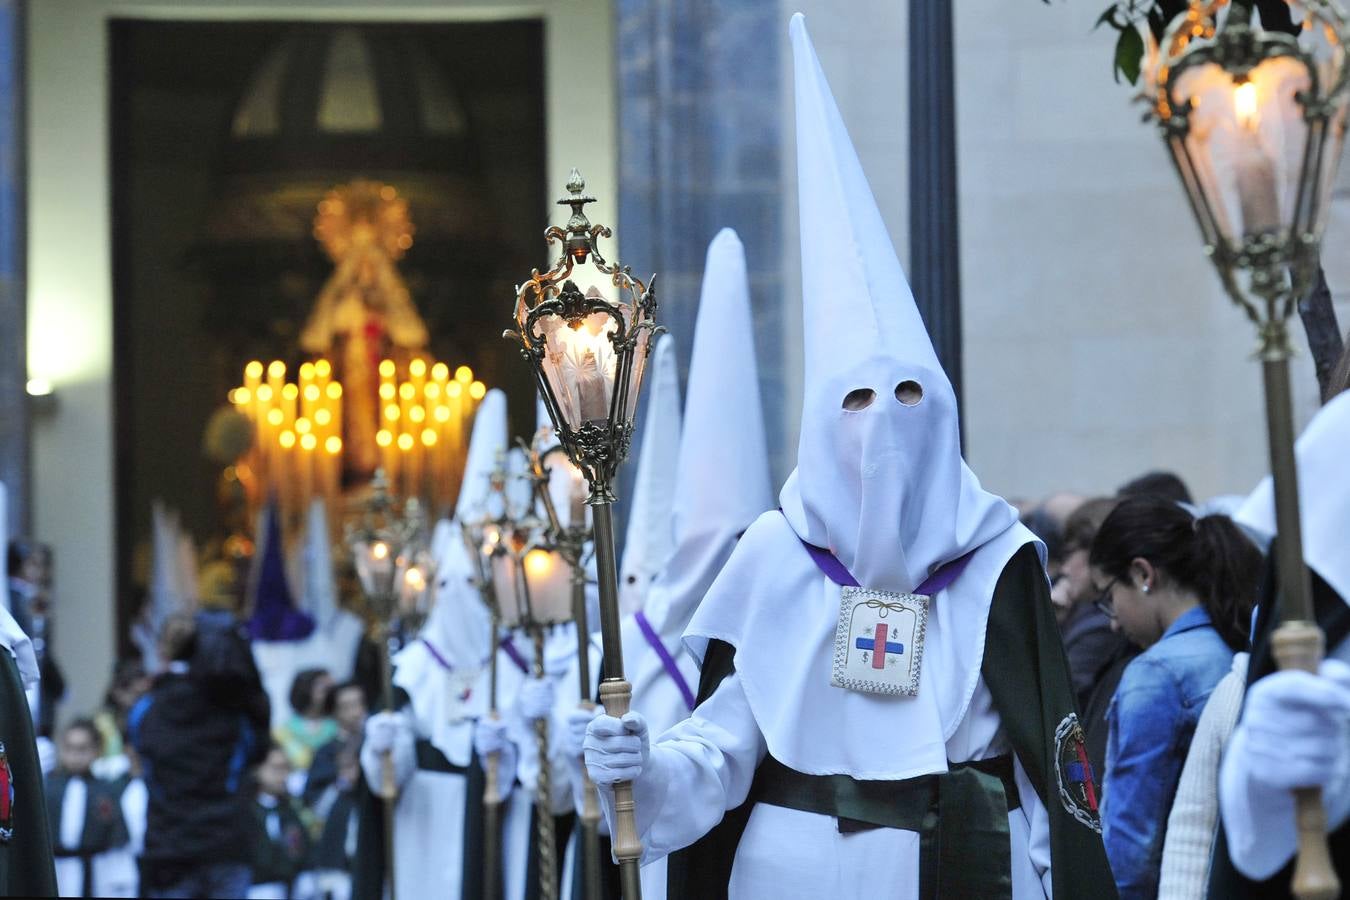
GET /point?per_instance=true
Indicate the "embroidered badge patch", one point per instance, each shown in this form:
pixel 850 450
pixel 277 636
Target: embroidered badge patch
pixel 6 798
pixel 878 643
pixel 1073 771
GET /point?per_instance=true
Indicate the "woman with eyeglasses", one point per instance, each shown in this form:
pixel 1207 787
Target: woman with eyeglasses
pixel 1182 588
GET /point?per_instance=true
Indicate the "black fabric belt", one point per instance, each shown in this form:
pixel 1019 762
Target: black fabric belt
pixel 961 817
pixel 429 759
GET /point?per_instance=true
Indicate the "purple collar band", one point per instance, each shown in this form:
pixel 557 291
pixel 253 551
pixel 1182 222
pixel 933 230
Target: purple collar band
pixel 834 570
pixel 516 658
pixel 667 661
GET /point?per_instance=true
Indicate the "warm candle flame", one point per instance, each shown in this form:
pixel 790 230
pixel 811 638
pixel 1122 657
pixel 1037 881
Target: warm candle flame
pixel 440 372
pixel 308 442
pixel 323 368
pixel 275 417
pixel 538 563
pixel 464 375
pixel 428 437
pixel 333 445
pixel 286 439
pixel 384 438
pixel 415 579
pixel 405 442
pixel 477 390
pixel 379 550
pixel 387 368
pixel 1245 106
pixel 253 370
pixel 334 390
pixel 277 369
pixel 417 368
pixel 290 391
pixel 322 417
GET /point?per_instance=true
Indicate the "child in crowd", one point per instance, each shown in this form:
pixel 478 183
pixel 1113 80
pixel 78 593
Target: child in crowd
pixel 310 725
pixel 85 818
pixel 281 840
pixel 336 807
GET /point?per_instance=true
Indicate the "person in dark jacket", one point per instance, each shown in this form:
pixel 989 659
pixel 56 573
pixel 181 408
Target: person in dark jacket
pixel 201 726
pixel 83 813
pixel 279 836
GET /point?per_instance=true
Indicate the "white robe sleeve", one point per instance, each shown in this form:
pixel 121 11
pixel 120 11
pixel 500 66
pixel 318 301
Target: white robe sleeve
pixel 1038 826
pixel 699 769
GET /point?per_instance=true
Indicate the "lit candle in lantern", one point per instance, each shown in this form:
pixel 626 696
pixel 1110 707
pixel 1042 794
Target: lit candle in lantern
pixel 1255 169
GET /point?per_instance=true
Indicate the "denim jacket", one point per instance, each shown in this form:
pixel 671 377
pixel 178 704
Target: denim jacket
pixel 1152 718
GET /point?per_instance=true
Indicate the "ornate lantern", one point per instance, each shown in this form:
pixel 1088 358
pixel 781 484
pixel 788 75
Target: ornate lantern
pixel 586 327
pixel 1255 120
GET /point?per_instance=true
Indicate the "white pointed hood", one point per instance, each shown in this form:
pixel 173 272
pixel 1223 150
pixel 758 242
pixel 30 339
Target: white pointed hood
pixel 319 594
pixel 1323 495
pixel 442 671
pixel 722 471
pixel 650 539
pixel 883 487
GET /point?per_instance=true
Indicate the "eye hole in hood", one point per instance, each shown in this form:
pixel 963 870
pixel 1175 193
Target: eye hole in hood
pixel 909 392
pixel 859 398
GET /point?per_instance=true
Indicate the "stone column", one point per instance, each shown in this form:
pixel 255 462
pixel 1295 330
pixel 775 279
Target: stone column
pixel 699 149
pixel 934 236
pixel 14 431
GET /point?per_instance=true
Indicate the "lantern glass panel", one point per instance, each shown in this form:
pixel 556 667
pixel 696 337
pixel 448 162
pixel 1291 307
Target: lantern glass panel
pixel 549 583
pixel 374 559
pixel 580 364
pixel 1247 142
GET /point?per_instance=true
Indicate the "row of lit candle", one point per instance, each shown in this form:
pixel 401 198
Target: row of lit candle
pixel 298 426
pixel 424 421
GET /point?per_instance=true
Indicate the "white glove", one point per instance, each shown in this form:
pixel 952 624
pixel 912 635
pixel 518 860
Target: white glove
pixel 536 698
pixel 616 749
pixel 392 733
pixel 489 737
pixel 1298 728
pixel 574 734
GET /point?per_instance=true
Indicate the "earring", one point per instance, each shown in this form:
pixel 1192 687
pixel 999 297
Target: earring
pixel 1144 588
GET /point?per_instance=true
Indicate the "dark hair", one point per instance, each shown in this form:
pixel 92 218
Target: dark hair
pixel 88 726
pixel 1210 556
pixel 1081 526
pixel 178 636
pixel 302 689
pixel 1043 525
pixel 330 702
pixel 19 551
pixel 1167 485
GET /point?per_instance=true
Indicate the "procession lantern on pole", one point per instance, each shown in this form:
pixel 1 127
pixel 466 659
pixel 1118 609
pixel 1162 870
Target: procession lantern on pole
pixel 586 328
pixel 570 541
pixel 1254 120
pixel 393 564
pixel 530 588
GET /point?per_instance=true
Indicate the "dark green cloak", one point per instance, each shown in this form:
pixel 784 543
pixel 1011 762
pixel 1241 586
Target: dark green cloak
pixel 26 866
